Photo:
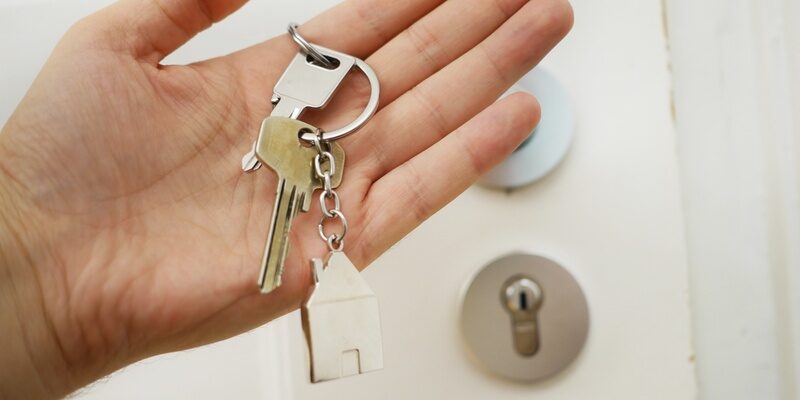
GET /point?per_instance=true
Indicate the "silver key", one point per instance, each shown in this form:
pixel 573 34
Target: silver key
pixel 341 321
pixel 279 147
pixel 304 85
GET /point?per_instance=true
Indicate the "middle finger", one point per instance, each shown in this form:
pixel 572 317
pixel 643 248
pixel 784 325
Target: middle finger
pixel 433 108
pixel 419 51
pixel 435 40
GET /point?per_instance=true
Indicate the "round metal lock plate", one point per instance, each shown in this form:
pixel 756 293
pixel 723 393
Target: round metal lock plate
pixel 561 320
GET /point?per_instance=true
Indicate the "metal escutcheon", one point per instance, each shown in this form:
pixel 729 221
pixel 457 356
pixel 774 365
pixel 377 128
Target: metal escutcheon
pixel 524 317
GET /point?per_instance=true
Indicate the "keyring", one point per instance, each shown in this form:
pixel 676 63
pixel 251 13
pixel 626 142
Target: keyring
pixel 307 47
pixel 319 53
pixel 356 124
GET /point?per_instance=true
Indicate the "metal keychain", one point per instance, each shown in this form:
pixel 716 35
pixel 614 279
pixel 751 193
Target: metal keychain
pixel 318 53
pixel 307 47
pixel 341 318
pixel 304 84
pixel 308 85
pixel 340 315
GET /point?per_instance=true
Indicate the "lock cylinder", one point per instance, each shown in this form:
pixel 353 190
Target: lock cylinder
pixel 524 317
pixel 522 297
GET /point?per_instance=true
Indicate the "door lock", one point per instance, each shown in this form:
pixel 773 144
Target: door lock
pixel 522 296
pixel 524 317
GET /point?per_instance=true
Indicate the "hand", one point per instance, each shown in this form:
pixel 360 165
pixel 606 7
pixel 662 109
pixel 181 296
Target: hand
pixel 129 228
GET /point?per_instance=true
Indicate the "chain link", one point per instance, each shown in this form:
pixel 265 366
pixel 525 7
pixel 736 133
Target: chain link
pixel 338 237
pixel 325 169
pixel 323 203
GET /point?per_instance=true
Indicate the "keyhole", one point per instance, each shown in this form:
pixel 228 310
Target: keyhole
pixel 522 297
pixel 523 301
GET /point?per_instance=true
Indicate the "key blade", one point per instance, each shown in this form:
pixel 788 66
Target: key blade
pixel 288 201
pixel 279 148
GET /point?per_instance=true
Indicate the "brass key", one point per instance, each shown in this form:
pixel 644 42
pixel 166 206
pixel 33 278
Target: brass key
pixel 280 148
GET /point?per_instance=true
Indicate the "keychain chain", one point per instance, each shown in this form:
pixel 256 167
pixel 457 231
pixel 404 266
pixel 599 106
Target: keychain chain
pixel 324 158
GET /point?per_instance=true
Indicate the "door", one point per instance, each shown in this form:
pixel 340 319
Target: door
pixel 611 214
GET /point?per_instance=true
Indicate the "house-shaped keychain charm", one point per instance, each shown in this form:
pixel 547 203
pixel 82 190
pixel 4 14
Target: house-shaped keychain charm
pixel 341 321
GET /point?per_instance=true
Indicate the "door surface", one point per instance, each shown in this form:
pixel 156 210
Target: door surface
pixel 611 213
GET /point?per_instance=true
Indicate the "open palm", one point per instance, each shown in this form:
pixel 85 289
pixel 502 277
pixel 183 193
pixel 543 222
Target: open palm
pixel 149 235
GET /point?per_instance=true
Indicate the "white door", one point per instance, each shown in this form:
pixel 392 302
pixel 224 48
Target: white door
pixel 611 213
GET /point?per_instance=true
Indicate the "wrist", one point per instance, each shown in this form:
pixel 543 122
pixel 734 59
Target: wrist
pixel 31 356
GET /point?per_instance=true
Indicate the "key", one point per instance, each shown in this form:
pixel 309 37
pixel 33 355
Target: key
pixel 341 321
pixel 279 147
pixel 303 85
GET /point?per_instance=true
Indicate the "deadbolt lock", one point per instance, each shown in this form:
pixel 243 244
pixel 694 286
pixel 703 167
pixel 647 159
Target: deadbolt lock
pixel 524 317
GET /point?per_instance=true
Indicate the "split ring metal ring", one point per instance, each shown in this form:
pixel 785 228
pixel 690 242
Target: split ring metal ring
pixel 356 124
pixel 321 226
pixel 321 54
pixel 307 47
